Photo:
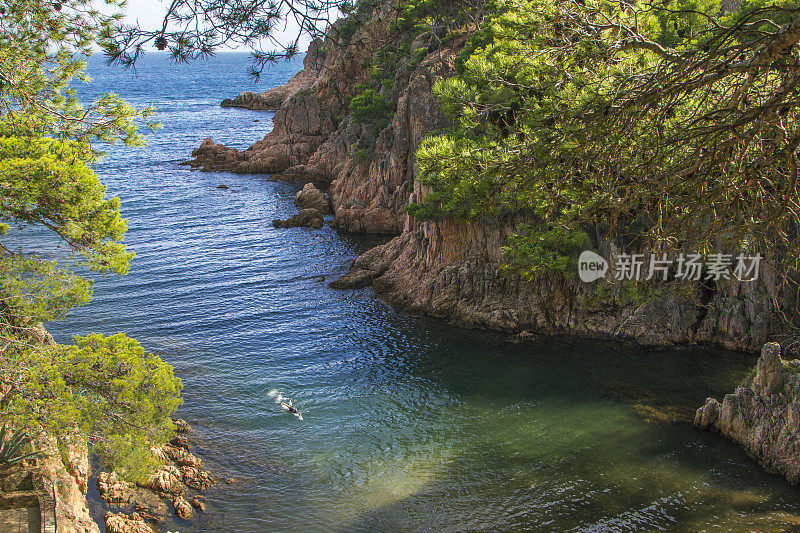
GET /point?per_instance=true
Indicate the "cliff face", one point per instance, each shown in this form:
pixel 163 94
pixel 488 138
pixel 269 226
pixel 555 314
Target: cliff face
pixel 763 415
pixel 272 99
pixel 452 268
pixel 369 171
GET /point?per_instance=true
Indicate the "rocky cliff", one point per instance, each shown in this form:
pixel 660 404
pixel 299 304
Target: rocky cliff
pixel 763 414
pixel 368 169
pixel 272 99
pixel 453 268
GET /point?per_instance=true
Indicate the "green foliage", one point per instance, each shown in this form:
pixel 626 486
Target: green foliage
pixel 37 291
pixel 371 107
pixel 792 366
pixel 533 251
pixel 105 387
pixel 417 15
pixel 612 293
pixel 49 182
pixel 651 119
pixel 12 448
pixel 361 154
pixel 355 15
pixel 416 58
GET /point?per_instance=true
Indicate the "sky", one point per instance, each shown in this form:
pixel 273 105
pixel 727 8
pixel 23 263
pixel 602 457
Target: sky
pixel 150 15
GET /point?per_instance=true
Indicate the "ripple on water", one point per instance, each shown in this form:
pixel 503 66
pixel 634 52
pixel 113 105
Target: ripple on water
pixel 409 424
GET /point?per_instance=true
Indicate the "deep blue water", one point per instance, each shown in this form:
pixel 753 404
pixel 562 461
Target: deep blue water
pixel 409 424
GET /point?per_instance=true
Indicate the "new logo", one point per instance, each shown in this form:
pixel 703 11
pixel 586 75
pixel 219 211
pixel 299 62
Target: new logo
pixel 591 266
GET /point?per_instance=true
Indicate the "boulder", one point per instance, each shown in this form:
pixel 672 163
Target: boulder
pixel 180 441
pixel 120 523
pixel 195 478
pixel 210 155
pixel 167 479
pixel 707 415
pixel 768 368
pixel 198 504
pixel 310 218
pixel 311 197
pixel 113 489
pixel 181 456
pixel 182 426
pixel 183 508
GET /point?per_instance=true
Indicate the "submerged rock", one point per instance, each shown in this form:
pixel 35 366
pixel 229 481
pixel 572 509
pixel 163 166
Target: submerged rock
pixel 763 414
pixel 198 504
pixel 311 218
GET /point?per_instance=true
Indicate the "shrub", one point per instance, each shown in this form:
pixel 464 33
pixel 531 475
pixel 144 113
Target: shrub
pixel 371 107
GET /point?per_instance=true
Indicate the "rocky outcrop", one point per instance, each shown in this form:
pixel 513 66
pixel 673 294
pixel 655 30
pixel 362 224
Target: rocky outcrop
pixel 309 218
pixel 273 99
pixel 369 171
pixel 178 483
pixel 311 197
pixel 454 269
pixel 763 415
pixel 121 523
pixel 65 466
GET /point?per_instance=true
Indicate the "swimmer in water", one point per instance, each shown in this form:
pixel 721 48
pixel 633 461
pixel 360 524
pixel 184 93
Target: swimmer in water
pixel 287 406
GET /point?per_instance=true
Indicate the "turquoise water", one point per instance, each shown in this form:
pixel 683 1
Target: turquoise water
pixel 409 424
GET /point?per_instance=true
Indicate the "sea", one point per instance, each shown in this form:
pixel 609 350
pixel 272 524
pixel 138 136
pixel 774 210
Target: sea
pixel 409 423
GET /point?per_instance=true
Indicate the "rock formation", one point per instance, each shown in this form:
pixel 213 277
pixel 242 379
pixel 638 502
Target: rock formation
pixel 311 197
pixel 453 268
pixel 314 139
pixel 177 483
pixel 66 465
pixel 763 415
pixel 183 508
pixel 310 218
pixel 120 523
pixel 273 99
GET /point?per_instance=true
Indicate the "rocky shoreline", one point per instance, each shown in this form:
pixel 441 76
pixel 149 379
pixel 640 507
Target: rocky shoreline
pixel 452 268
pixel 272 99
pixel 763 414
pixel 178 484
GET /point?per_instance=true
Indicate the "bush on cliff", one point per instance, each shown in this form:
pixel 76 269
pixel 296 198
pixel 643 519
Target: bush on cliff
pixel 673 124
pixel 106 388
pixel 371 107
